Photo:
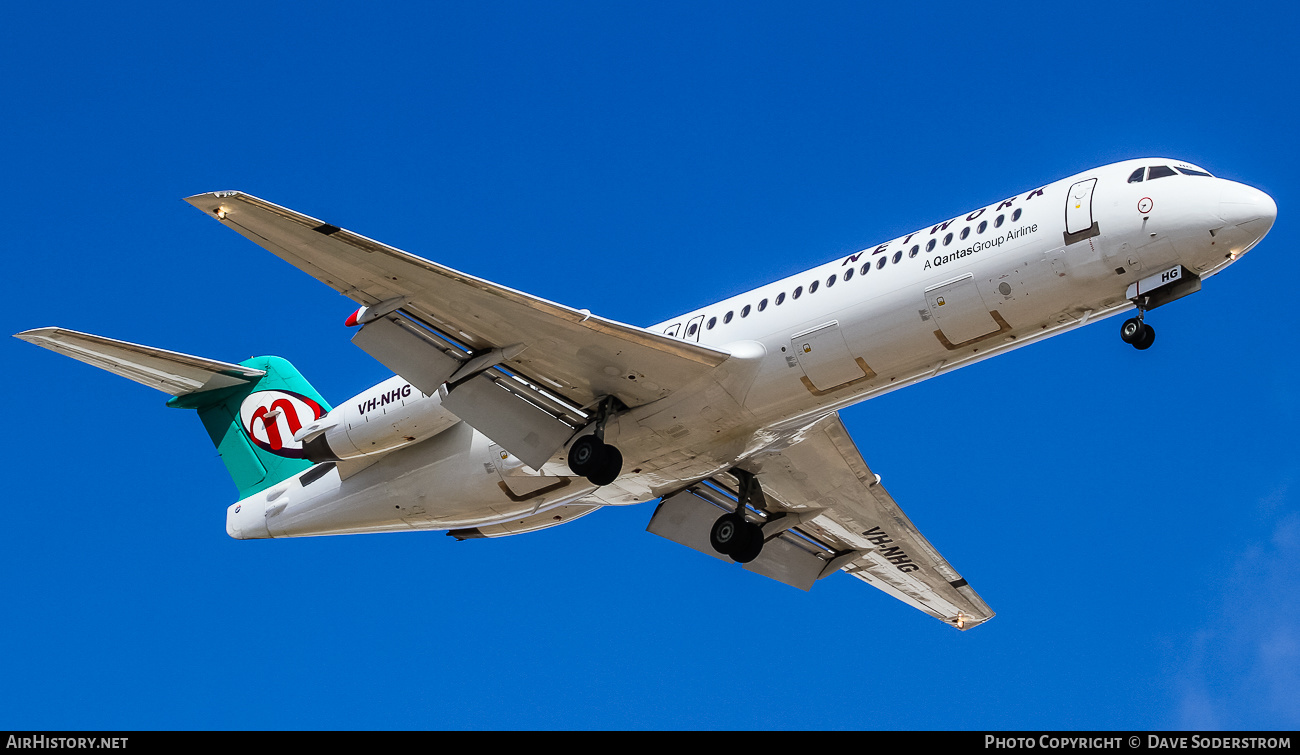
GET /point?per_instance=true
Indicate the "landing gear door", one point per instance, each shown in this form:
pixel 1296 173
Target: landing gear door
pixel 519 484
pixel 1079 224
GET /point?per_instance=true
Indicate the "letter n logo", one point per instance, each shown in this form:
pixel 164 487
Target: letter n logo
pixel 270 419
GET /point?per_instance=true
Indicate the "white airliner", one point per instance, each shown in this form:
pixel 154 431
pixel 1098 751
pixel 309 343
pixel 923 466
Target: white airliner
pixel 511 414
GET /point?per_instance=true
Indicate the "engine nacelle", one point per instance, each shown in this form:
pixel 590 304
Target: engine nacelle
pixel 389 416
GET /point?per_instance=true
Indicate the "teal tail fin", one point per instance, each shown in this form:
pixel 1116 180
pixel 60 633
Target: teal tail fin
pixel 251 410
pixel 252 425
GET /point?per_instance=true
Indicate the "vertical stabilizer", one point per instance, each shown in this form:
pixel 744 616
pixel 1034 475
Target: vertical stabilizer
pixel 252 425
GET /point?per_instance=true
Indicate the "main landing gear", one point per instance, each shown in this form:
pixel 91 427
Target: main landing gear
pixel 591 457
pixel 734 535
pixel 1135 331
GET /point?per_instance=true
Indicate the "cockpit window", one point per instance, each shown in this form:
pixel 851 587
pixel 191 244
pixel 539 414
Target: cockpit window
pixel 1190 172
pixel 1137 175
pixel 1160 171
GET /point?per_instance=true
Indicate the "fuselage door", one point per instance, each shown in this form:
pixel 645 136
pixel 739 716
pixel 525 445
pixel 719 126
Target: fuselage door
pixel 960 312
pixel 1078 211
pixel 673 330
pixel 1078 207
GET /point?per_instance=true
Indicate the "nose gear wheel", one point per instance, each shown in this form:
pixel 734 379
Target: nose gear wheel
pixel 1137 333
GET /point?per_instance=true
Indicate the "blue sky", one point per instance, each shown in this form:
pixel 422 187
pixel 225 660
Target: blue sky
pixel 1131 516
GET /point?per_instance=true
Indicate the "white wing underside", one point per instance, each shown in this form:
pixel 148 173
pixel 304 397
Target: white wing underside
pixel 846 521
pixel 579 355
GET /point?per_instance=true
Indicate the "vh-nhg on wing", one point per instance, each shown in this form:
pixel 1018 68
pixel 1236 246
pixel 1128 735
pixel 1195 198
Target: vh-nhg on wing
pixel 524 414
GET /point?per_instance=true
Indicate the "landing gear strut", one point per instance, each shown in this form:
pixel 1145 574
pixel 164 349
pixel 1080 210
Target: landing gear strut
pixel 591 457
pixel 1136 332
pixel 734 535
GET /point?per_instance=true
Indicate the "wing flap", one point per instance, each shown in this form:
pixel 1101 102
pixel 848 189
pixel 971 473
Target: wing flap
pixel 168 371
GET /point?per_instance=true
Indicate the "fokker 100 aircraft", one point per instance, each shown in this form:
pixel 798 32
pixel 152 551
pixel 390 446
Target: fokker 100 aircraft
pixel 510 414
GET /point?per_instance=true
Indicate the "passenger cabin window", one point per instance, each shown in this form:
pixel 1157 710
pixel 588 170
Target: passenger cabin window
pixel 798 291
pixel 712 321
pixel 745 312
pixel 881 263
pixel 762 305
pixel 866 268
pixel 780 298
pixel 1015 216
pixel 898 255
pixel 1190 172
pixel 1137 175
pixel 830 281
pixel 965 232
pixel 1160 171
pixel 691 330
pixel 726 318
pixel 984 224
pixel 930 246
pixel 998 223
pixel 848 274
pixel 913 251
pixel 947 239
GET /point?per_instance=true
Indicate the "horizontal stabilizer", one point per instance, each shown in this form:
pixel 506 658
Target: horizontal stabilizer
pixel 168 371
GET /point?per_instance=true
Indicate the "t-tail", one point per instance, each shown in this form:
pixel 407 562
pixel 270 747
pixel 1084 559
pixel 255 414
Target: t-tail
pixel 251 410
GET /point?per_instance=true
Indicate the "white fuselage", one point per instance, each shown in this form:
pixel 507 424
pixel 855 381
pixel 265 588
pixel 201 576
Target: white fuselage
pixel 1023 268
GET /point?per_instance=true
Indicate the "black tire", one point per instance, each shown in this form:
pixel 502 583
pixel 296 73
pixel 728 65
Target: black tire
pixel 1131 330
pixel 1145 340
pixel 728 534
pixel 611 464
pixel 586 455
pixel 753 545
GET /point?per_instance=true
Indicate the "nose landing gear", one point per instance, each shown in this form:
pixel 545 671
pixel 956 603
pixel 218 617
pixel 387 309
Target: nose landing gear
pixel 1137 333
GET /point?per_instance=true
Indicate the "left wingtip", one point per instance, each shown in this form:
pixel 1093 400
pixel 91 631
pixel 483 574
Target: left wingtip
pixel 965 622
pixel 36 334
pixel 211 201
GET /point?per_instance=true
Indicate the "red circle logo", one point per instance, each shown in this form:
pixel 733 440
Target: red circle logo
pixel 270 418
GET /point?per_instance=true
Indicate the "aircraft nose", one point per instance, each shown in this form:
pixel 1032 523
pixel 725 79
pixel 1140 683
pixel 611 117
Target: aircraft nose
pixel 1243 205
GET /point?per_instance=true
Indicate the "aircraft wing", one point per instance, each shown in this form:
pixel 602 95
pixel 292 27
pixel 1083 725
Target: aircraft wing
pixel 587 355
pixel 434 324
pixel 832 514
